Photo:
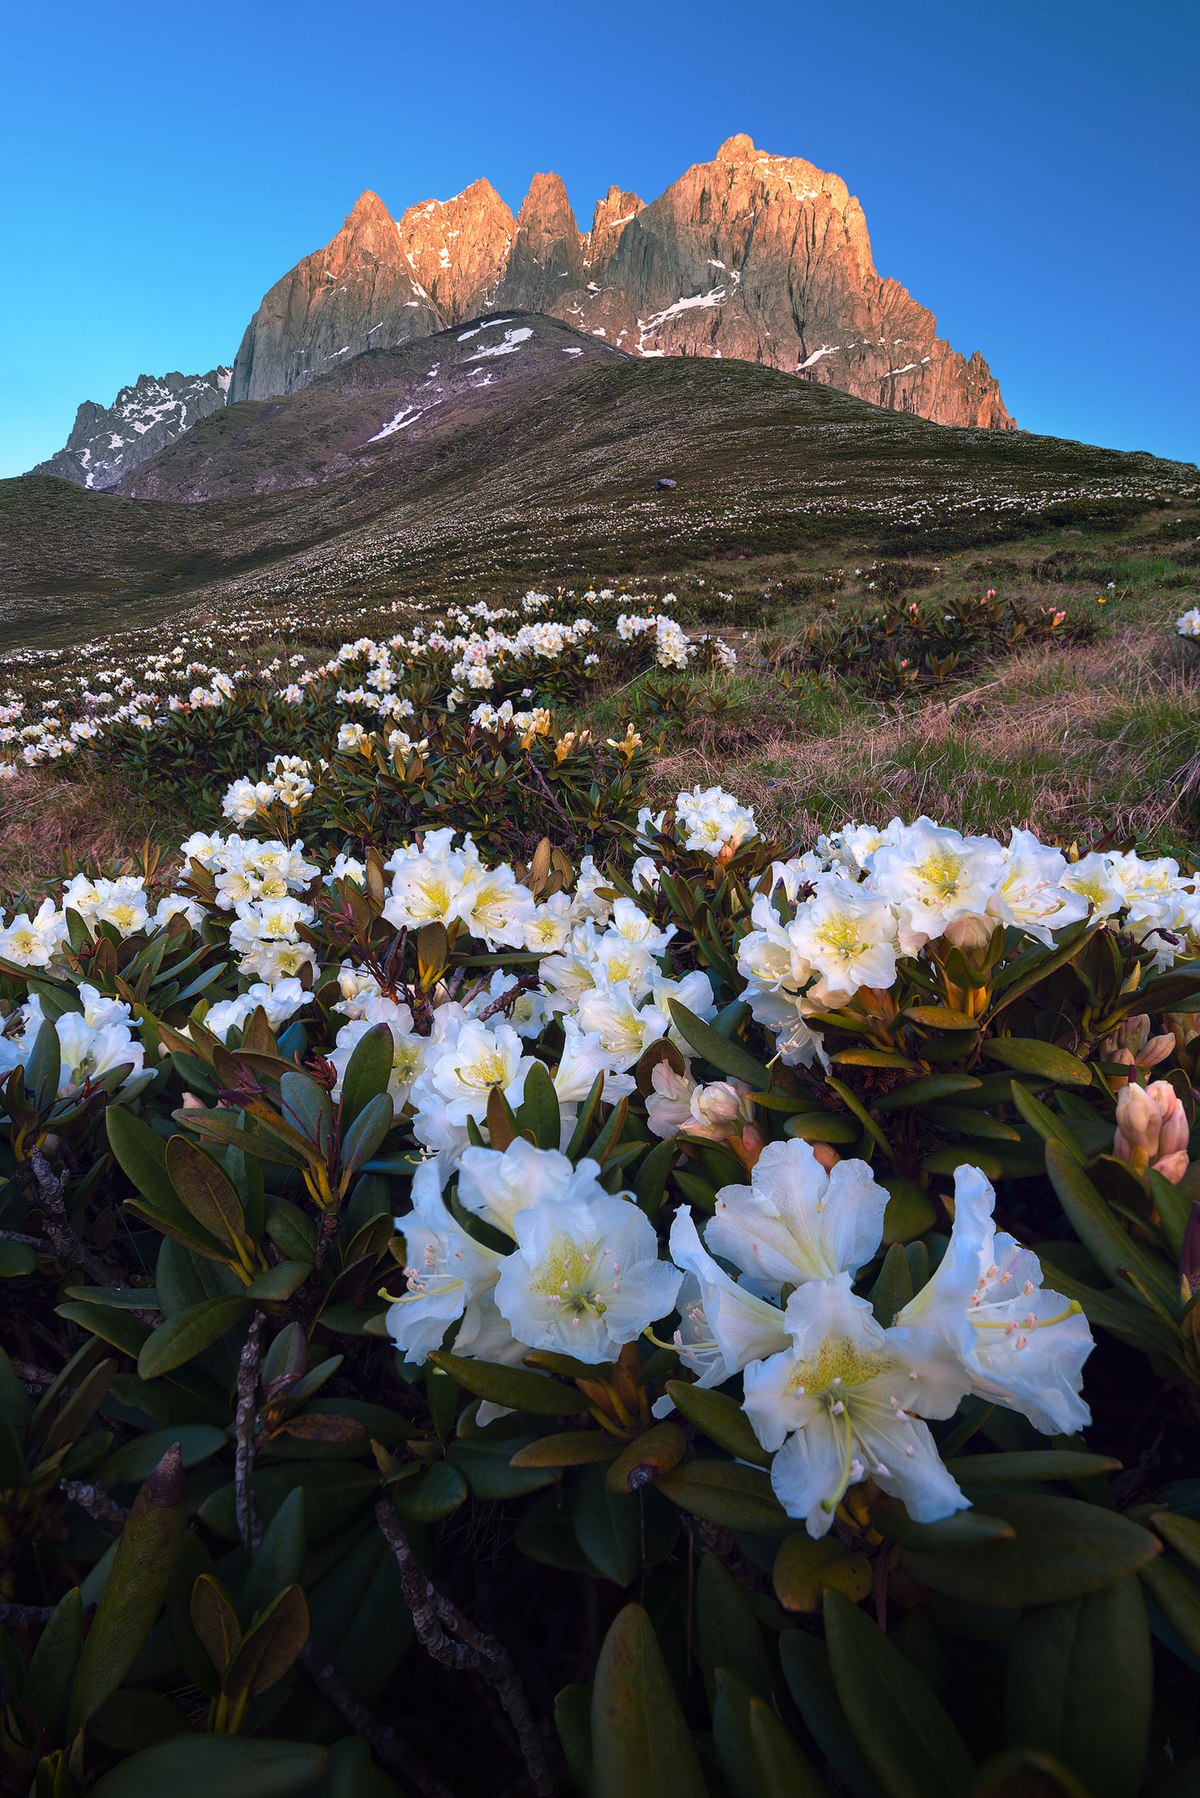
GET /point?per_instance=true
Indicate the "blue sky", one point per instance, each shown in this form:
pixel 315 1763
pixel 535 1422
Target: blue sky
pixel 1028 171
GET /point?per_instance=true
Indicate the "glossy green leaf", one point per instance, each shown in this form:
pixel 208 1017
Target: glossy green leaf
pixel 1062 1548
pixel 781 1770
pixel 901 1727
pixel 135 1590
pixel 368 1072
pixel 233 1766
pixel 608 1527
pixel 1029 1055
pixel 728 1634
pixel 1079 1685
pixel 720 1418
pixel 190 1333
pixel 721 1052
pixel 725 1493
pixel 512 1386
pixel 641 1745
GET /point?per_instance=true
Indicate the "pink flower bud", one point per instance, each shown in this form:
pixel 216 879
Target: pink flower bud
pixel 826 1155
pixel 720 1105
pixel 1152 1126
pixel 971 932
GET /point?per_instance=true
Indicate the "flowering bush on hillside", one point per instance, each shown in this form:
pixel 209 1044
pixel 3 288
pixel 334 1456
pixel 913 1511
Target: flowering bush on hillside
pixel 414 1249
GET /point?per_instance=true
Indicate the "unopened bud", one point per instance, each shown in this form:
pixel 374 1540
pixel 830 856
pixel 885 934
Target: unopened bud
pixel 753 1144
pixel 826 1155
pixel 721 1104
pixel 974 931
pixel 1152 1127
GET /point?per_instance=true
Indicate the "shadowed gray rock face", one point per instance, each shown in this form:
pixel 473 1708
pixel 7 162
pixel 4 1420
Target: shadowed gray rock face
pixel 761 257
pixel 108 442
pixel 358 293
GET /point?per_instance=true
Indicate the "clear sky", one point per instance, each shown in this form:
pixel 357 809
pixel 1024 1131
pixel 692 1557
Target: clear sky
pixel 1028 171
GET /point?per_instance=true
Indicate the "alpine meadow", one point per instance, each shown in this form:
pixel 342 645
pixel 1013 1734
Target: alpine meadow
pixel 599 1024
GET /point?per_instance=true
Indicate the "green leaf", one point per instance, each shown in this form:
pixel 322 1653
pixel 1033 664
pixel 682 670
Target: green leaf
pixel 805 1662
pixel 571 1448
pixel 900 1726
pixel 922 1091
pixel 780 1769
pixel 1033 1464
pixel 366 1134
pixel 1062 1549
pixel 1024 1773
pixel 728 1634
pixel 215 1620
pixel 1048 1126
pixel 573 1724
pixel 134 1591
pixel 512 1386
pixel 54 1659
pixel 142 1157
pixel 197 1766
pixel 725 1493
pixel 279 1558
pixel 436 1492
pixel 721 1052
pixel 307 1108
pixel 641 1745
pixel 207 1192
pixel 367 1072
pixel 808 1566
pixel 1079 1684
pixel 539 1108
pixel 1029 1055
pixel 960 1530
pixel 608 1527
pixel 1181 1533
pixel 1177 1595
pixel 43 1067
pixel 270 1648
pixel 893 1288
pixel 1109 1245
pixel 190 1333
pixel 720 1418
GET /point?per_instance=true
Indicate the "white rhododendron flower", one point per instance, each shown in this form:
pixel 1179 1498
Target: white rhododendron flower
pixel 845 1401
pixel 934 876
pixel 847 935
pixel 1021 1345
pixel 723 1325
pixel 586 1277
pixel 447 1273
pixel 712 820
pixel 796 1221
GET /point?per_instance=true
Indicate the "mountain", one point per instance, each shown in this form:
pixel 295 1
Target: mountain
pixel 761 257
pixel 422 393
pixel 109 442
pixel 482 460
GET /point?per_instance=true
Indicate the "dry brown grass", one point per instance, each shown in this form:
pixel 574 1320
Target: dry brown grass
pixel 1103 740
pixel 51 828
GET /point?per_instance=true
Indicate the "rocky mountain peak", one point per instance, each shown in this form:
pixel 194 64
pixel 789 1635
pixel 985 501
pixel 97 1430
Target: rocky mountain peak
pixel 735 148
pixel 457 249
pixel 610 218
pixel 108 442
pixel 546 259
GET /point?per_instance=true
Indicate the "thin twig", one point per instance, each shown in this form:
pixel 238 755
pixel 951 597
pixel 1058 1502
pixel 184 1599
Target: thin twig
pixel 39 1614
pixel 95 1501
pixel 63 1239
pixel 523 985
pixel 249 1528
pixel 26 1242
pixel 450 1638
pixel 29 1375
pixel 379 1736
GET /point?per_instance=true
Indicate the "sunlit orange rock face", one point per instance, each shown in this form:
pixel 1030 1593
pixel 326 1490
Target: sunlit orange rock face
pixel 761 257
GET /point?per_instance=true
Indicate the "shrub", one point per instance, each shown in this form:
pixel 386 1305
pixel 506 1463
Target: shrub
pixel 741 1310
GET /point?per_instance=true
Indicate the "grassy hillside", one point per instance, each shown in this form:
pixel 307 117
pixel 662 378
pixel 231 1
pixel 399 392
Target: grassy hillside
pixel 540 478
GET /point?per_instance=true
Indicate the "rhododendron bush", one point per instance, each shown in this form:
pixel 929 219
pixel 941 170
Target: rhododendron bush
pixel 639 1306
pixel 810 1234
